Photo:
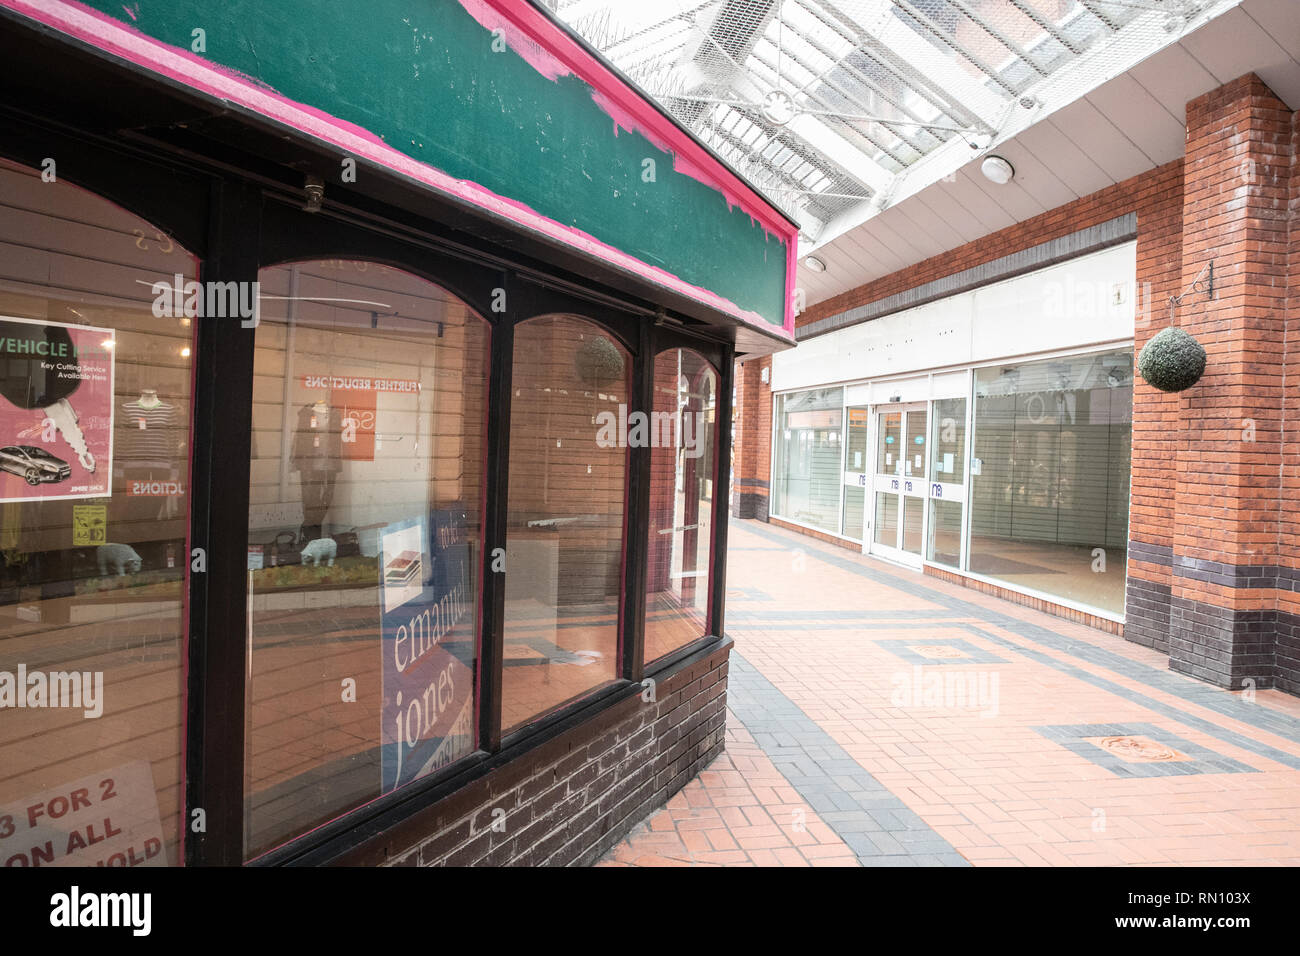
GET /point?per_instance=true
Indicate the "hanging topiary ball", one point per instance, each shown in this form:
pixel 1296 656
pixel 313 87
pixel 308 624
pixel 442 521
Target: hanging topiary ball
pixel 1172 361
pixel 599 362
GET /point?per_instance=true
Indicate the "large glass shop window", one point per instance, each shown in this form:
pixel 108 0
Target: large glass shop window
pixel 807 472
pixel 680 432
pixel 95 356
pixel 364 544
pixel 569 433
pixel 1050 476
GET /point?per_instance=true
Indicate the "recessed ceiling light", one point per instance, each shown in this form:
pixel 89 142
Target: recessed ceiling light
pixel 998 170
pixel 815 264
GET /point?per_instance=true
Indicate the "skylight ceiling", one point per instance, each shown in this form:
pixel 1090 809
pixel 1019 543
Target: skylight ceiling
pixel 836 109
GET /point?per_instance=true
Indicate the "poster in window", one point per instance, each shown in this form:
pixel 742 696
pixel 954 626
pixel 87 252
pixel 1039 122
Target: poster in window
pixel 428 646
pixel 56 410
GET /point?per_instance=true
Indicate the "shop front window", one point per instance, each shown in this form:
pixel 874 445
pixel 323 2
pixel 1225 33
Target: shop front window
pixel 364 540
pixel 565 526
pixel 806 472
pixel 1049 476
pixel 95 369
pixel 682 430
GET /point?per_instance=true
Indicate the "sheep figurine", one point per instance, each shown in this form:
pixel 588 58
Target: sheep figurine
pixel 120 557
pixel 321 551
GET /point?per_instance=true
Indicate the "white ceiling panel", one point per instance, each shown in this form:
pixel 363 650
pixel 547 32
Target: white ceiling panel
pixel 901 235
pixel 1068 163
pixel 990 213
pixel 1146 121
pixel 1013 198
pixel 921 220
pixel 1236 46
pixel 1173 76
pixel 1104 143
pixel 941 201
pixel 1034 176
pixel 1281 20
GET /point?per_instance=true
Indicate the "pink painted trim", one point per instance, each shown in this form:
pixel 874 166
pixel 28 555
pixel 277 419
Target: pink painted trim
pixel 189 584
pixel 791 271
pixel 120 40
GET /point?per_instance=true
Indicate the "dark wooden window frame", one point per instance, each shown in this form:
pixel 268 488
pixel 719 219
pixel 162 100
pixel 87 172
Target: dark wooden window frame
pixel 238 224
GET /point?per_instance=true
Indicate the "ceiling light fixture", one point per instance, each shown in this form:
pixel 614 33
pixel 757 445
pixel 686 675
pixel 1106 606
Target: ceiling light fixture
pixel 997 170
pixel 815 264
pixel 778 108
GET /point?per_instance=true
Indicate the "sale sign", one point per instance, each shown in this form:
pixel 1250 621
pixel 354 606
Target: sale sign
pixel 56 410
pixel 108 818
pixel 358 408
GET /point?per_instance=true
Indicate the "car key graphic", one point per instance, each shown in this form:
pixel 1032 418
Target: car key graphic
pixel 27 383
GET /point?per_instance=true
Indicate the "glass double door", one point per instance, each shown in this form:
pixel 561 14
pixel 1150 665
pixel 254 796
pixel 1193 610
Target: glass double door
pixel 900 485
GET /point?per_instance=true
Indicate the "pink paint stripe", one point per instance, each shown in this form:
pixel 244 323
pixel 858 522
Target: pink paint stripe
pixel 791 270
pixel 118 39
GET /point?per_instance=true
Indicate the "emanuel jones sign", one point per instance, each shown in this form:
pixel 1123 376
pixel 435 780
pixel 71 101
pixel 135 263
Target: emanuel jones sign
pixel 427 581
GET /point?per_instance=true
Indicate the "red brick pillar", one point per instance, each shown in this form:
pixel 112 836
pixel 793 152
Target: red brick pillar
pixel 1155 415
pixel 1287 661
pixel 1226 497
pixel 752 453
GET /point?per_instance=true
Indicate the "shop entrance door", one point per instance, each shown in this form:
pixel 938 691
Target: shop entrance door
pixel 899 488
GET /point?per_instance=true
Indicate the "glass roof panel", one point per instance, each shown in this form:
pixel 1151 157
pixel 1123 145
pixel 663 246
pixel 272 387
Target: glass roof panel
pixel 831 107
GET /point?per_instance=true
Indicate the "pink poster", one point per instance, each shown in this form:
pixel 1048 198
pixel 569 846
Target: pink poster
pixel 56 410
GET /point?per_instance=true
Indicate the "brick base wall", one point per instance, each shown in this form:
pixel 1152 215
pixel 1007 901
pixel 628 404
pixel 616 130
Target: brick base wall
pixel 750 500
pixel 819 535
pixel 569 799
pixel 1146 613
pixel 1028 600
pixel 1286 653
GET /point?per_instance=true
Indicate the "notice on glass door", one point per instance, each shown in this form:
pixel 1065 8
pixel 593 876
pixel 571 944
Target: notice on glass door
pixel 56 416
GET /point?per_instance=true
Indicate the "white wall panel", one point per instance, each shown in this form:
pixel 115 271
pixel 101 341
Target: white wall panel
pixel 1064 306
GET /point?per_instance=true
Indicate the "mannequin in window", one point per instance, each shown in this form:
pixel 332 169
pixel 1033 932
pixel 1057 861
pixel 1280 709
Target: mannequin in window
pixel 317 457
pixel 149 448
pixel 149 436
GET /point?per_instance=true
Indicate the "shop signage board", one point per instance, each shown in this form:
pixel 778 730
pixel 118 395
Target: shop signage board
pixel 427 615
pixel 488 102
pixel 109 818
pixel 56 410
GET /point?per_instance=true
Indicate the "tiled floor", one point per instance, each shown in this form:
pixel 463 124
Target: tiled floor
pixel 882 718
